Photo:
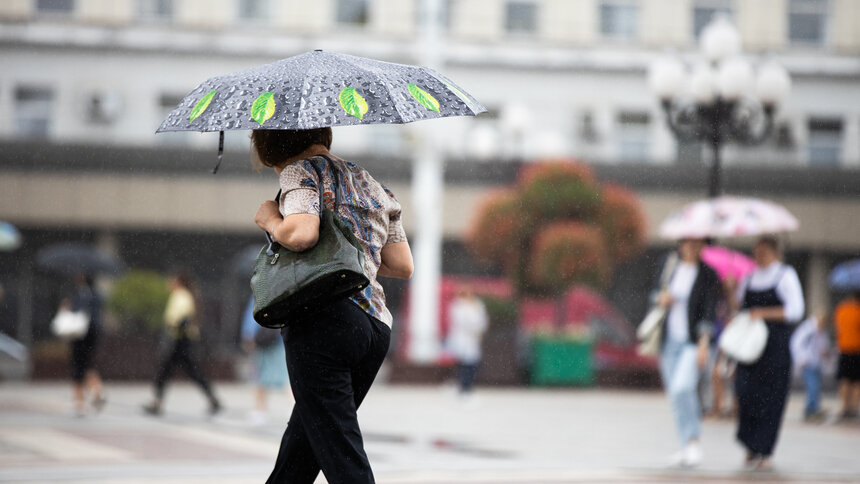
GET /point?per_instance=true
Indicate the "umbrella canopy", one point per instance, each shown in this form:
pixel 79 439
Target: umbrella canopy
pixel 728 263
pixel 846 276
pixel 319 89
pixel 10 238
pixel 728 217
pixel 71 259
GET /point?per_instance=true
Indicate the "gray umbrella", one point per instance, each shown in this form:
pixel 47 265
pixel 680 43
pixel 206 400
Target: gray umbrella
pixel 319 89
pixel 72 259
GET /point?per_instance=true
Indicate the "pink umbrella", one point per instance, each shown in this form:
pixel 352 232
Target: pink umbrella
pixel 727 217
pixel 728 263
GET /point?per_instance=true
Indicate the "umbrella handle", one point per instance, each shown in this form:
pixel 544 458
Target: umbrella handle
pixel 220 152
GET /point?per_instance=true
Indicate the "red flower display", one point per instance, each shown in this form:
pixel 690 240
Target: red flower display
pixel 622 221
pixel 567 253
pixel 498 229
pixel 558 227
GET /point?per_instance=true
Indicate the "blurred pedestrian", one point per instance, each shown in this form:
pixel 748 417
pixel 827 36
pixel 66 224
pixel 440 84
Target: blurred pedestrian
pixel 85 377
pixel 469 321
pixel 270 362
pixel 721 369
pixel 690 301
pixel 181 336
pixel 773 293
pixel 846 319
pixel 810 345
pixel 334 355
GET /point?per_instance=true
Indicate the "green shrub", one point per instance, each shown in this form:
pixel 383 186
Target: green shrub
pixel 138 299
pixel 502 312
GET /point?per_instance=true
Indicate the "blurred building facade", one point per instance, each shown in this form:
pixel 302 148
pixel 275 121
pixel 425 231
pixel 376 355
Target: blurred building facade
pixel 85 83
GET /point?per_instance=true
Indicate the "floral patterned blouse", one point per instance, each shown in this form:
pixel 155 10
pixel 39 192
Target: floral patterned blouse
pixel 367 207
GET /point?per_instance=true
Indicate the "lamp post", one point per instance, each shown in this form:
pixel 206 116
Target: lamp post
pixel 722 100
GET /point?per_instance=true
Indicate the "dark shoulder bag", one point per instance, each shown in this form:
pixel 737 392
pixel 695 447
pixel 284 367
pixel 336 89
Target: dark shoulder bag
pixel 293 285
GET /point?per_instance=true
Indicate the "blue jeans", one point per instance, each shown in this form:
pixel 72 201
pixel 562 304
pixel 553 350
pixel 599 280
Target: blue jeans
pixel 680 373
pixel 812 382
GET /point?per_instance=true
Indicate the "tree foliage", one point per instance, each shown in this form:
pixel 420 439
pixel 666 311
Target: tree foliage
pixel 139 298
pixel 558 226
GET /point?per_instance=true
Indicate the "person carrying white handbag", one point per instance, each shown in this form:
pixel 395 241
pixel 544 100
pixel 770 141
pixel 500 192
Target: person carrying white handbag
pixel 772 293
pixel 690 300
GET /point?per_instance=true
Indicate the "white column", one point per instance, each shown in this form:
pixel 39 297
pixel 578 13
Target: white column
pixel 851 141
pixel 427 186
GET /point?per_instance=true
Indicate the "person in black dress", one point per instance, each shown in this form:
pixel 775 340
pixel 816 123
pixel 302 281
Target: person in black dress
pixel 772 293
pixel 85 377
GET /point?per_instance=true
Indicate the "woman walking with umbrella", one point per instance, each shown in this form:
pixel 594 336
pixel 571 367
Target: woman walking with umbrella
pixel 333 356
pixel 772 293
pixel 83 262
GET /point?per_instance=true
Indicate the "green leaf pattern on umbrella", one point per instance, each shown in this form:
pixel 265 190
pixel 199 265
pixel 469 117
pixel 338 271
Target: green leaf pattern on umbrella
pixel 318 89
pixel 201 105
pixel 352 102
pixel 423 97
pixel 263 108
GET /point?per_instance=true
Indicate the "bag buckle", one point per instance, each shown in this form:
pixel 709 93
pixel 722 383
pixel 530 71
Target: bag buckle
pixel 275 259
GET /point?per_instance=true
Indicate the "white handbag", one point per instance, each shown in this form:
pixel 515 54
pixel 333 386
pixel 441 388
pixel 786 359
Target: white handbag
pixel 744 338
pixel 70 325
pixel 650 330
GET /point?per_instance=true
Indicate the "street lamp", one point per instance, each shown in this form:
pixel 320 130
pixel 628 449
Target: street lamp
pixel 729 101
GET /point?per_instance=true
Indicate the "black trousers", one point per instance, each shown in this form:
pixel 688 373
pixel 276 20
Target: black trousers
pixel 332 360
pixel 83 354
pixel 466 373
pixel 181 354
pixel 762 390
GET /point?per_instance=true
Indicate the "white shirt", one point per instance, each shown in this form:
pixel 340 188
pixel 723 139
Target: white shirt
pixel 787 284
pixel 468 323
pixel 680 288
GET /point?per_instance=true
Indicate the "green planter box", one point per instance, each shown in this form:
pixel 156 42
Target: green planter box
pixel 562 361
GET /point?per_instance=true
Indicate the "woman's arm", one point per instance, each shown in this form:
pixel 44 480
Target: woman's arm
pixel 791 293
pixel 297 232
pixel 396 261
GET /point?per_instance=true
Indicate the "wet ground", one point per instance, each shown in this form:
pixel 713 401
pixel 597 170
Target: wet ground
pixel 415 435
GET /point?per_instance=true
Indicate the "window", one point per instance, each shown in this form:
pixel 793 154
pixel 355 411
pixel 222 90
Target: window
pixel 351 12
pixel 33 108
pixel 633 136
pixel 520 18
pixel 253 9
pixel 705 10
pixel 807 21
pixel 155 9
pixel 55 6
pixel 824 145
pixel 618 19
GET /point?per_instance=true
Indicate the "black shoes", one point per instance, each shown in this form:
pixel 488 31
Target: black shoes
pixel 153 409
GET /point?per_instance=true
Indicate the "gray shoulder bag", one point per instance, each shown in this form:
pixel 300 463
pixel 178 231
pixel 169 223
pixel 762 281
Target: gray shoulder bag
pixel 294 285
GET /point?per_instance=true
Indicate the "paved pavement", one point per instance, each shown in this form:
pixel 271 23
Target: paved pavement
pixel 414 435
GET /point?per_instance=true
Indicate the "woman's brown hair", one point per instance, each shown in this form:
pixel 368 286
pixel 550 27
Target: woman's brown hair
pixel 276 145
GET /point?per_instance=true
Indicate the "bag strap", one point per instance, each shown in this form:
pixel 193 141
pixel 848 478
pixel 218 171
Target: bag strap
pixel 274 246
pixel 668 270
